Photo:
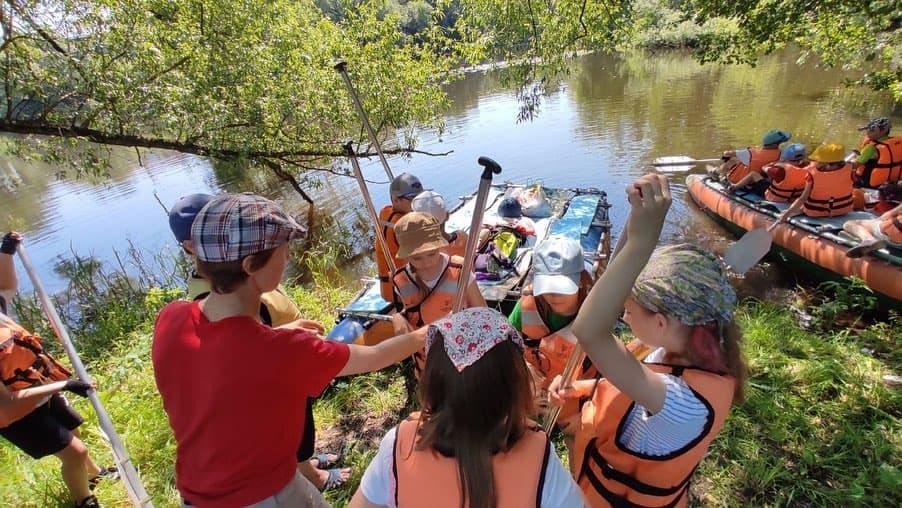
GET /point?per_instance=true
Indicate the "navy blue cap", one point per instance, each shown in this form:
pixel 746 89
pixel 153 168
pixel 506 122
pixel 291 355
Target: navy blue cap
pixel 510 208
pixel 183 212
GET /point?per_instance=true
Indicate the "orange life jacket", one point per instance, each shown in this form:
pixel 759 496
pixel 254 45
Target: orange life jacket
pixel 23 364
pixel 790 187
pixel 887 167
pixel 758 158
pixel 387 219
pixel 611 475
pixel 891 227
pixel 831 192
pixel 423 310
pixel 427 478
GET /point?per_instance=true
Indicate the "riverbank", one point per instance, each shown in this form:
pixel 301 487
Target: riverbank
pixel 818 428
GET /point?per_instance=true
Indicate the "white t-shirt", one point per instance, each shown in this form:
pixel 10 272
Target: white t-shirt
pixel 678 423
pixel 378 482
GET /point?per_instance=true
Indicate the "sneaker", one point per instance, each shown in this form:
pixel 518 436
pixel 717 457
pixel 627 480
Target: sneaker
pixel 110 473
pixel 88 502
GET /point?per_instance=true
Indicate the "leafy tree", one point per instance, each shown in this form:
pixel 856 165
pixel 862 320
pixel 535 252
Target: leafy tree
pixel 227 79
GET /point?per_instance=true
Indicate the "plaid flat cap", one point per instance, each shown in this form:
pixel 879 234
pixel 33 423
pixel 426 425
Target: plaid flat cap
pixel 233 226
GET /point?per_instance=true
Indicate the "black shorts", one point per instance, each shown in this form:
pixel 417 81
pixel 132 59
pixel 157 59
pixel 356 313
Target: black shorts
pixel 308 439
pixel 46 430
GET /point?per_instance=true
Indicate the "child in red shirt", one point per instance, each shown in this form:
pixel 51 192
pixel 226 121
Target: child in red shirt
pixel 233 388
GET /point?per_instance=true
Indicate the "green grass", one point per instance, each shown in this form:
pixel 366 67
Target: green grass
pixel 819 428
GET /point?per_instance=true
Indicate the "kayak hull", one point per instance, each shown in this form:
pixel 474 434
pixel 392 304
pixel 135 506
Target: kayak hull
pixel 796 244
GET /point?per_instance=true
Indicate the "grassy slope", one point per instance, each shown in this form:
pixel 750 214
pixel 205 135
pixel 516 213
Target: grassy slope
pixel 818 428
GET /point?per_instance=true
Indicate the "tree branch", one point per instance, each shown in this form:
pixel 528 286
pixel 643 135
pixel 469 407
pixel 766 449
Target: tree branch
pixel 288 177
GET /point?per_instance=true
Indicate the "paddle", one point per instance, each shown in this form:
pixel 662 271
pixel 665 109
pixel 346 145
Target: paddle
pixel 680 163
pixel 490 167
pixel 127 470
pixel 368 201
pixel 342 68
pixel 750 249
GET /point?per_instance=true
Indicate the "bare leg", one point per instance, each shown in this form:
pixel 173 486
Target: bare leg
pixel 93 469
pixel 863 230
pixel 75 473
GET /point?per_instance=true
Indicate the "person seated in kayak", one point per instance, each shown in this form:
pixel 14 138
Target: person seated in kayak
pixel 876 233
pixel 735 169
pixel 236 444
pixel 559 286
pixel 34 415
pixel 879 158
pixel 434 204
pixel 649 423
pixel 402 190
pixel 473 443
pixel 426 286
pixel 276 309
pixel 828 186
pixel 780 181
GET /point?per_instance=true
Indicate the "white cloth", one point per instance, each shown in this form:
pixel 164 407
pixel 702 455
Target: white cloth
pixel 678 423
pixel 378 482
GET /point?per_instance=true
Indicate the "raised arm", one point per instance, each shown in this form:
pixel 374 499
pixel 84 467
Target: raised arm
pixel 649 200
pixel 8 282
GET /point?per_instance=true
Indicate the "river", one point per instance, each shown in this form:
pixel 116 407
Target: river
pixel 602 127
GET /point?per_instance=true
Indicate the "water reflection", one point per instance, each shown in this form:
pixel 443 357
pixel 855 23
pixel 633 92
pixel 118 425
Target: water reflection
pixel 601 128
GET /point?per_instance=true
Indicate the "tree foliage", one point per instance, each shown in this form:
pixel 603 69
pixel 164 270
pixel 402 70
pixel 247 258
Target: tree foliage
pixel 228 79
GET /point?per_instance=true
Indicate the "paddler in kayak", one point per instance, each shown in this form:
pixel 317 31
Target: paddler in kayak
pixel 879 158
pixel 828 186
pixel 434 204
pixel 402 190
pixel 876 233
pixel 781 181
pixel 426 286
pixel 649 423
pixel 735 166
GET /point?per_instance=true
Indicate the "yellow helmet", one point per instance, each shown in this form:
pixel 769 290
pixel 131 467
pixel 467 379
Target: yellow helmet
pixel 828 153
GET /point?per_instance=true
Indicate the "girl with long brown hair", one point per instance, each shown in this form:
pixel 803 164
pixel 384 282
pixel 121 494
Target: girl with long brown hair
pixel 473 445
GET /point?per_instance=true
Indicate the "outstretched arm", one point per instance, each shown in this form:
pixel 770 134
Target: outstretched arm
pixel 389 352
pixel 649 200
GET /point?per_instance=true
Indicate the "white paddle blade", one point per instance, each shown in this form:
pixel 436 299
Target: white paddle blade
pixel 674 164
pixel 744 156
pixel 750 249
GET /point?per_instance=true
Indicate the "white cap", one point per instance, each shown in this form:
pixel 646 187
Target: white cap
pixel 558 265
pixel 432 203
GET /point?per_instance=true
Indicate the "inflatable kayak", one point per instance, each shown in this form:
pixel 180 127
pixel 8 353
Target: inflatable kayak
pixel 816 245
pixel 581 214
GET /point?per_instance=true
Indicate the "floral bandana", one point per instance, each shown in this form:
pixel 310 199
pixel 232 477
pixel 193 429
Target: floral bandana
pixel 471 333
pixel 687 283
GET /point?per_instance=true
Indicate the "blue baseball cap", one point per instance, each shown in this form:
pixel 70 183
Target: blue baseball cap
pixel 793 152
pixel 183 212
pixel 775 137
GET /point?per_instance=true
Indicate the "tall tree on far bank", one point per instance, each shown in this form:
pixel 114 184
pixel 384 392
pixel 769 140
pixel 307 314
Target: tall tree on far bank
pixel 227 79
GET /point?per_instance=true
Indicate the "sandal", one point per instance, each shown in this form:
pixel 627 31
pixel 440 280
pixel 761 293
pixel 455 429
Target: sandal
pixel 108 473
pixel 334 480
pixel 324 462
pixel 865 248
pixel 88 502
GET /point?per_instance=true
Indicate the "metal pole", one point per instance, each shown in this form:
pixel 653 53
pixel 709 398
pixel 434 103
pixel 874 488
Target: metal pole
pixel 133 485
pixel 576 357
pixel 490 167
pixel 342 68
pixel 368 201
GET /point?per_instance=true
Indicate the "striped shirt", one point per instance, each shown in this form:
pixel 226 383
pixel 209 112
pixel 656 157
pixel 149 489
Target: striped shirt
pixel 678 423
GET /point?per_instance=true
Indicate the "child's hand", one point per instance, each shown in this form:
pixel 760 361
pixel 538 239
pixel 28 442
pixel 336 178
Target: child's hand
pixel 400 324
pixel 558 396
pixel 649 198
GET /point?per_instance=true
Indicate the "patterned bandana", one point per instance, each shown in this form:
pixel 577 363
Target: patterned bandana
pixel 687 283
pixel 471 333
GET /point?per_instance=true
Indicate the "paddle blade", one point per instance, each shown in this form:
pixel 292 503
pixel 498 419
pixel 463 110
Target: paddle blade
pixel 744 156
pixel 347 331
pixel 746 253
pixel 674 164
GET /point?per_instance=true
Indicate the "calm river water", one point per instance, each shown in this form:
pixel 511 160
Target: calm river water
pixel 601 128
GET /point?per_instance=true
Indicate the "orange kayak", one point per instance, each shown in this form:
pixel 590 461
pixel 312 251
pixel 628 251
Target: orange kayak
pixel 816 242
